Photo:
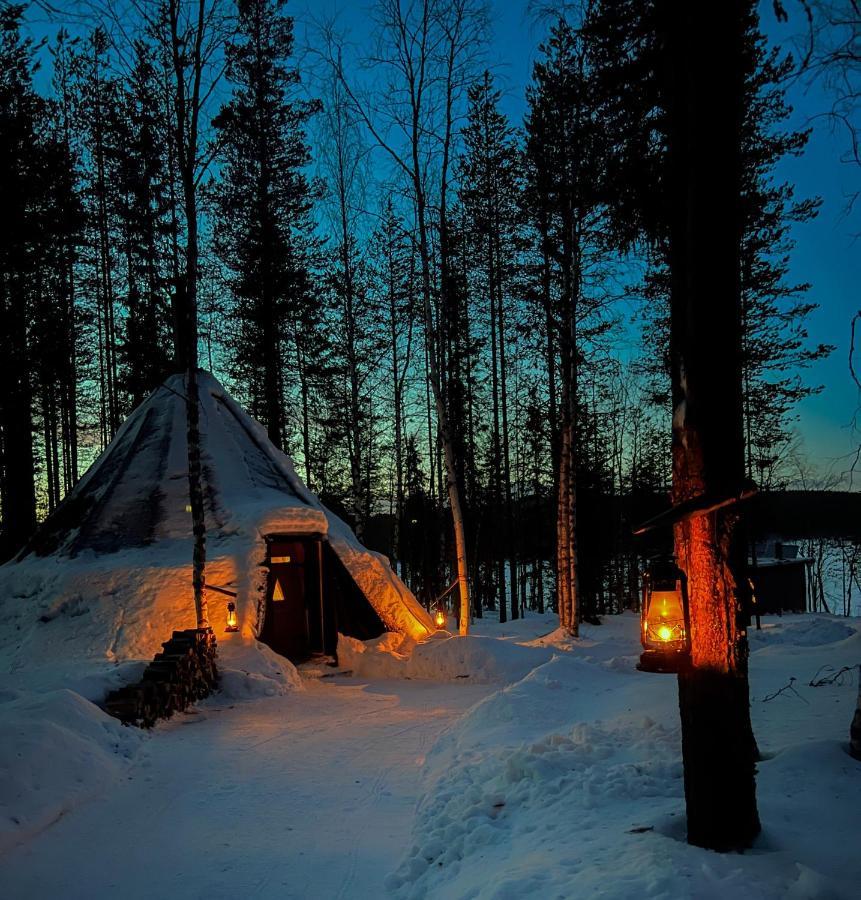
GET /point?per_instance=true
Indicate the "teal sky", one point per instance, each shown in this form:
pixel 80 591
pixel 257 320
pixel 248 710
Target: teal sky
pixel 826 253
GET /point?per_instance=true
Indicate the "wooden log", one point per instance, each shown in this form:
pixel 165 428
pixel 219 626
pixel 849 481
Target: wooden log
pixel 184 672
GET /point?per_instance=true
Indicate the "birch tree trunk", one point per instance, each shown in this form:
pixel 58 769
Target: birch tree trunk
pixel 428 43
pixel 441 412
pixel 186 52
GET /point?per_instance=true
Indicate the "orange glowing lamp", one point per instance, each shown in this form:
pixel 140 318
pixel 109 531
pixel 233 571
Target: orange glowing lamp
pixel 665 625
pixel 439 619
pixel 232 622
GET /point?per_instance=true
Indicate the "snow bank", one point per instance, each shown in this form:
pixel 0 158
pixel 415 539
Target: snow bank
pixel 802 631
pixel 249 669
pixel 444 657
pixel 568 782
pixel 58 751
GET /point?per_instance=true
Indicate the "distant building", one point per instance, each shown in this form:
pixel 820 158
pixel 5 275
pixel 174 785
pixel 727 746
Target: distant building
pixel 779 577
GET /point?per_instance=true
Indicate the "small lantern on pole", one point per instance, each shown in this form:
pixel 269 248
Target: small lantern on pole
pixel 232 622
pixel 439 619
pixel 665 618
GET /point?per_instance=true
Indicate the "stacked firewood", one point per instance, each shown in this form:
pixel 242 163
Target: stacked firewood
pixel 185 671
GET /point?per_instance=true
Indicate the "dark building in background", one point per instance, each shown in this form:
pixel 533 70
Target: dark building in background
pixel 779 577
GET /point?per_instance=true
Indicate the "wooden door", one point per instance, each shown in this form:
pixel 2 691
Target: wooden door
pixel 285 627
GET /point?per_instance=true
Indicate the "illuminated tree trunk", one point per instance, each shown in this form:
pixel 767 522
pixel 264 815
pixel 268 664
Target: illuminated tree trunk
pixel 704 94
pixel 188 72
pixel 195 491
pixel 567 575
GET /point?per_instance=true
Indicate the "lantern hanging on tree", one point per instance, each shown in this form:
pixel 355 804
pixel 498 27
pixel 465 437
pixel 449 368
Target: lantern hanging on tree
pixel 232 622
pixel 666 625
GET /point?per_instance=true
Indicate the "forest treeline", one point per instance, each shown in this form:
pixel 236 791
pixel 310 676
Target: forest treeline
pixel 457 324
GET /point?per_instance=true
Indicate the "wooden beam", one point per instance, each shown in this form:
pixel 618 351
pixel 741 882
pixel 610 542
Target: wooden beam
pixel 701 505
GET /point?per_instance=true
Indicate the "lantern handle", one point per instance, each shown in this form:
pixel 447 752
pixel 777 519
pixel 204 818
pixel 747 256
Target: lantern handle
pixel 695 507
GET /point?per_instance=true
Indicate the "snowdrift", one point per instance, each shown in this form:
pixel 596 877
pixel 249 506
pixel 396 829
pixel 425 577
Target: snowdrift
pixel 445 657
pixel 248 669
pixel 58 751
pixel 568 783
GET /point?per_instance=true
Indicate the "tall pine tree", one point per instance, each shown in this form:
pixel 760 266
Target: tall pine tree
pixel 263 228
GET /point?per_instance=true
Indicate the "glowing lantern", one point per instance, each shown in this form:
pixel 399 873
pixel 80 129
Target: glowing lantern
pixel 232 623
pixel 666 626
pixel 439 618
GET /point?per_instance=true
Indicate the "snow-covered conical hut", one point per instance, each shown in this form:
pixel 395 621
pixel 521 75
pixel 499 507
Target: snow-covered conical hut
pixel 114 560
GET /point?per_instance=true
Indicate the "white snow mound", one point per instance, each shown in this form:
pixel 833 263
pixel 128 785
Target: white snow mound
pixel 57 751
pixel 803 631
pixel 249 669
pixel 479 660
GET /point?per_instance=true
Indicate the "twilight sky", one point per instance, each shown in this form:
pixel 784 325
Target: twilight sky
pixel 826 253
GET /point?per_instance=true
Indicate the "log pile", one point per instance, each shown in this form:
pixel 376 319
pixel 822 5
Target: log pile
pixel 185 671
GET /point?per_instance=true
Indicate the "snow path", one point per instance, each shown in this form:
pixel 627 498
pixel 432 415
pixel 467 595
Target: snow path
pixel 306 795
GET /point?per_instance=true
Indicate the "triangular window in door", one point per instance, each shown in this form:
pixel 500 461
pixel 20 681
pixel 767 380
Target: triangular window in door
pixel 278 591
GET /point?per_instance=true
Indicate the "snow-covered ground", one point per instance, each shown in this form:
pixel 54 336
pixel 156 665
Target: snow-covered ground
pixel 305 795
pixel 568 783
pixel 537 767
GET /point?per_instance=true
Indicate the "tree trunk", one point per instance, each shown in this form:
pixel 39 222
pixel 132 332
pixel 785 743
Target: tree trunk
pixel 704 72
pixel 18 492
pixel 397 401
pixel 442 415
pixel 506 450
pixel 305 394
pixel 496 467
pixel 186 54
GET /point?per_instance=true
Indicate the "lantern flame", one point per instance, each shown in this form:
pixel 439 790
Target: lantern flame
pixel 664 623
pixel 666 644
pixel 232 621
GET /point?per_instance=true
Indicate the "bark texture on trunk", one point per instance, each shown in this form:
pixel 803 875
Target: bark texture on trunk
pixel 704 91
pixel 195 492
pixel 188 72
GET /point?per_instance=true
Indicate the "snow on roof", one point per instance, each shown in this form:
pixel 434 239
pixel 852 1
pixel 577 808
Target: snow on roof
pixel 136 492
pixel 108 575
